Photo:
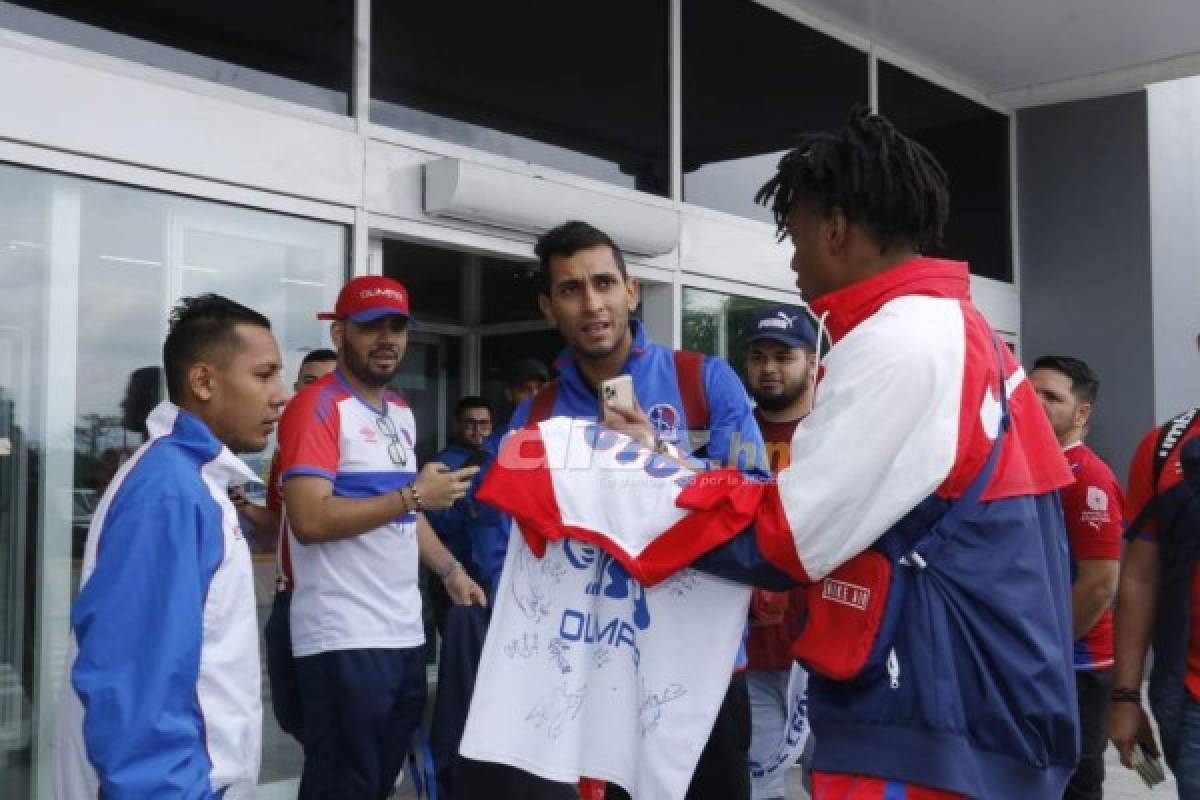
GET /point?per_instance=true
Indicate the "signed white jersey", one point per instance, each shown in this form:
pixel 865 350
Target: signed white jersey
pixel 585 672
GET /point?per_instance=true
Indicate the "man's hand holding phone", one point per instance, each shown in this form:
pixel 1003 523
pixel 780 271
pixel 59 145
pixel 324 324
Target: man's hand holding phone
pixel 439 486
pixel 619 411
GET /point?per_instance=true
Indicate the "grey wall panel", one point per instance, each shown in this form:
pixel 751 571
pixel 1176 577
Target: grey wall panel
pixel 1086 271
pixel 1174 129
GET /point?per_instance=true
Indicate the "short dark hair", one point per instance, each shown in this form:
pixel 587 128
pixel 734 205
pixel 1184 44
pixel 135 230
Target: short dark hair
pixel 1084 383
pixel 199 327
pixel 565 241
pixel 320 354
pixel 526 369
pixel 876 175
pixel 472 401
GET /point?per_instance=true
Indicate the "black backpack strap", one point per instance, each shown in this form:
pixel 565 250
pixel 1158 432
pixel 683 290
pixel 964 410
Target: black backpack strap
pixel 1170 436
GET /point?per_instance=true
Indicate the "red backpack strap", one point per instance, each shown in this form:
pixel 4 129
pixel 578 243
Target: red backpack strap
pixel 542 405
pixel 689 373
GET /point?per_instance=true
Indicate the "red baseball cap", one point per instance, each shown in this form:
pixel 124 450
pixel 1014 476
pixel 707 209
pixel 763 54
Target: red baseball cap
pixel 369 297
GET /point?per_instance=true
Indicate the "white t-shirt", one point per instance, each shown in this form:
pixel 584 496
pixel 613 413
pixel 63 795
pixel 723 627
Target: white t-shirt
pixel 359 592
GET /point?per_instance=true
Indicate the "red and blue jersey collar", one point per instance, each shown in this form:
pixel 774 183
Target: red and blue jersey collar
pixel 931 277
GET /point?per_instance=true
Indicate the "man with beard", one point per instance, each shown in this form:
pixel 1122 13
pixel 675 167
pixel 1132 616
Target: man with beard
pixel 781 365
pixel 353 503
pixel 472 425
pixel 1092 507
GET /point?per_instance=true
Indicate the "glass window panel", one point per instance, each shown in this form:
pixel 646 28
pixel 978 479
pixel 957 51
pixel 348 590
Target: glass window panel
pixel 567 85
pixel 125 255
pixel 432 275
pixel 509 291
pixel 25 225
pixel 714 323
pixel 971 142
pixel 298 50
pixel 500 351
pixel 753 80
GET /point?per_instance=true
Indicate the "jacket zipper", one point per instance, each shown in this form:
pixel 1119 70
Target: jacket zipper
pixel 893 669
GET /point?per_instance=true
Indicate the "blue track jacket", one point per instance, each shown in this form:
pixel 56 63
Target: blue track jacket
pixel 734 438
pixel 162 697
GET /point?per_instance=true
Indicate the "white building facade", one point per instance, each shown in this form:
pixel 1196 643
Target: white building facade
pixel 269 151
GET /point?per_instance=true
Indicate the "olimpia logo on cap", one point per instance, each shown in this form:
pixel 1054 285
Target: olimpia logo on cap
pixel 368 298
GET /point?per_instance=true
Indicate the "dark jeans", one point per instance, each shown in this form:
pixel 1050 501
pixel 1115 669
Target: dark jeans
pixel 1186 766
pixel 361 708
pixel 480 780
pixel 281 666
pixel 1092 689
pixel 464 629
pixel 722 772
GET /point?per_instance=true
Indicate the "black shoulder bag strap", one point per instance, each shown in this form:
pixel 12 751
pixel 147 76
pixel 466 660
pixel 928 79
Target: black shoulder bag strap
pixel 1170 437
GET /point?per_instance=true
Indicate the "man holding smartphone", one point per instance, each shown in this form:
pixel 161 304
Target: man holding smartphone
pixel 588 295
pixel 353 505
pixel 472 425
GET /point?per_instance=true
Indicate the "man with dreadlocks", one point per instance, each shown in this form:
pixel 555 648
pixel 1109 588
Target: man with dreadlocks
pixel 920 501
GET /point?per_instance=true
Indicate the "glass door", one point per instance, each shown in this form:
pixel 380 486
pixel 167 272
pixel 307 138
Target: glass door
pixel 429 382
pixel 25 226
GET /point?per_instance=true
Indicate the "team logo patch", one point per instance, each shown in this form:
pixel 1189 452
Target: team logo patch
pixel 665 420
pixel 1097 515
pixel 368 434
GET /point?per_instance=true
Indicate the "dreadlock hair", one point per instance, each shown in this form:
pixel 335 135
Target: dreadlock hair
pixel 875 175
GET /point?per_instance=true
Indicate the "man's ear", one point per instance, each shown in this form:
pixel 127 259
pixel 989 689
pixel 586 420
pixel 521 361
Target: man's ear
pixel 1083 415
pixel 337 333
pixel 835 231
pixel 633 291
pixel 201 380
pixel 547 309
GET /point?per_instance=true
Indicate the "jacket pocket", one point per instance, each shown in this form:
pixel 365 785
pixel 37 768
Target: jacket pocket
pixel 852 619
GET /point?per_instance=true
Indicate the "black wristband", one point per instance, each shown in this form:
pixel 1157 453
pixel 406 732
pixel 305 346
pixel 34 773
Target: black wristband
pixel 1120 695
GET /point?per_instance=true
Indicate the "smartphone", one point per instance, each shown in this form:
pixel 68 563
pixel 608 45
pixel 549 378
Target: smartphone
pixel 476 459
pixel 618 392
pixel 1148 767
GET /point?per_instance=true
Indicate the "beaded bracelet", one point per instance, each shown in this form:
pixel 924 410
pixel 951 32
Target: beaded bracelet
pixel 412 501
pixel 1120 695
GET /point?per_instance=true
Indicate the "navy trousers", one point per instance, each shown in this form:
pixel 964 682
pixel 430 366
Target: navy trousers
pixel 361 708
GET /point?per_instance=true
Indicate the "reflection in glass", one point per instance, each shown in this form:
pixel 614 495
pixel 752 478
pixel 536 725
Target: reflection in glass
pixel 566 85
pixel 754 80
pixel 25 227
pixel 130 254
pixel 714 323
pixel 971 142
pixel 245 45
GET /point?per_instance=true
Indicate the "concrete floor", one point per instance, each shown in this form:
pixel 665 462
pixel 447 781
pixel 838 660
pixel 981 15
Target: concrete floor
pixel 1119 784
